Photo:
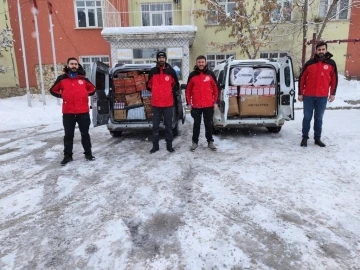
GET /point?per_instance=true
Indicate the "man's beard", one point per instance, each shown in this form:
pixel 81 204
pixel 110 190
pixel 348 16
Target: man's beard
pixel 74 70
pixel 161 63
pixel 321 55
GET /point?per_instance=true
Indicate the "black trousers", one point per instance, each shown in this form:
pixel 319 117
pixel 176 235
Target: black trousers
pixel 208 121
pixel 69 122
pixel 167 113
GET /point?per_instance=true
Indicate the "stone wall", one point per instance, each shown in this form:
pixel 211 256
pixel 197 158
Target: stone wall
pixel 48 76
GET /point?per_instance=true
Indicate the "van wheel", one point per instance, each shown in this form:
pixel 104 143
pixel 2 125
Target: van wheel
pixel 115 134
pixel 274 129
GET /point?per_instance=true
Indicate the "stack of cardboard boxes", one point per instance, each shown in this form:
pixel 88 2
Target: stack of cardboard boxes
pixel 252 92
pixel 129 89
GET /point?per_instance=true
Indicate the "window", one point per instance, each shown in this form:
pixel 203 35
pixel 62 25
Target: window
pixel 88 13
pixel 273 55
pixel 282 12
pixel 157 14
pixel 214 59
pixel 340 12
pixel 228 7
pixel 87 61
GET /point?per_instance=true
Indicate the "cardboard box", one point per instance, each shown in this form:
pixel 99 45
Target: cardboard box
pixel 119 97
pixel 140 86
pixel 131 89
pixel 133 73
pixel 147 100
pixel 129 81
pixel 120 114
pixel 139 79
pixel 120 89
pixel 146 77
pixel 233 106
pixel 264 76
pixel 257 105
pixel 242 76
pixel 133 99
pixel 118 82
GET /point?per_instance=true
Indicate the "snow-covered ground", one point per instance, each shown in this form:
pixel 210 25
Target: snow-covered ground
pixel 259 202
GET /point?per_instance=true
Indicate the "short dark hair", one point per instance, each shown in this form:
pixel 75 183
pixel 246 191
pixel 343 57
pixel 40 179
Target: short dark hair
pixel 321 43
pixel 201 57
pixel 71 58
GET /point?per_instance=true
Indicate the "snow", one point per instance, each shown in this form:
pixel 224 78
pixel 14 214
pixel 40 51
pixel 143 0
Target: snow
pixel 259 202
pixel 146 30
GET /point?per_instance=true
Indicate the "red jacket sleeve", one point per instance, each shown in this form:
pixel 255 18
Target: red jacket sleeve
pixel 188 92
pixel 302 80
pixel 334 80
pixel 215 90
pixel 90 88
pixel 56 89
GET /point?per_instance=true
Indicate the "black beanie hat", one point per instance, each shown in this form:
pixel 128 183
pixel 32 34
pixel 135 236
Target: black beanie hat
pixel 161 54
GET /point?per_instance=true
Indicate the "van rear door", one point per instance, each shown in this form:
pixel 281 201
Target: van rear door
pixel 287 88
pixel 99 102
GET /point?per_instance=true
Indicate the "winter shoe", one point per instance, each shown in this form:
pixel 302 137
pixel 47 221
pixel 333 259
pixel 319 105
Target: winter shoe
pixel 169 147
pixel 319 143
pixel 212 146
pixel 155 148
pixel 89 157
pixel 303 142
pixel 66 160
pixel 193 147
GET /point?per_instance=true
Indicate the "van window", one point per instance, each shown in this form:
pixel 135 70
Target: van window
pixel 216 72
pixel 287 76
pixel 221 78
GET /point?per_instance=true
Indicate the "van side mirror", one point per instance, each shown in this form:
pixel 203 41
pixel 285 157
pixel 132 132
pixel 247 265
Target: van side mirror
pixel 183 86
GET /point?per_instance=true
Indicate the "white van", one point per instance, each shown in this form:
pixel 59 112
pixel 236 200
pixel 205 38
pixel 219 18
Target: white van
pixel 263 90
pixel 105 106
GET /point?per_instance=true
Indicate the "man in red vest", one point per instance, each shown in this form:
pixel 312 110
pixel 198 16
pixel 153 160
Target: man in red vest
pixel 201 97
pixel 317 85
pixel 74 88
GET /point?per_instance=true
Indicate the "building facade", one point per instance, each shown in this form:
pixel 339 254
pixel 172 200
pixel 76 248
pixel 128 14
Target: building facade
pixel 77 27
pixel 8 70
pixel 125 31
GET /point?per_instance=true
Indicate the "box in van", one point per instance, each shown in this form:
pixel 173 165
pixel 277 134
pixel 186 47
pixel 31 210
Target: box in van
pixel 123 103
pixel 265 93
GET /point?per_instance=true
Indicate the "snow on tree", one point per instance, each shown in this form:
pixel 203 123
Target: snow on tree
pixel 6 42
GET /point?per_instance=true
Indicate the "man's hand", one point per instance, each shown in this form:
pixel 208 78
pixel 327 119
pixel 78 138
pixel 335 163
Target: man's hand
pixel 300 98
pixel 215 106
pixel 331 98
pixel 189 107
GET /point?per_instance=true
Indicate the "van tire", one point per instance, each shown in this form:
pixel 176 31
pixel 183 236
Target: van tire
pixel 274 129
pixel 115 134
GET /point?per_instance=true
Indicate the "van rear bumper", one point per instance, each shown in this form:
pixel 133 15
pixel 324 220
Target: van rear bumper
pixel 246 122
pixel 129 126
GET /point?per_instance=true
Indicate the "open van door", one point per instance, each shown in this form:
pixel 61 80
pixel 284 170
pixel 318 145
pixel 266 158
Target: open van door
pixel 287 88
pixel 99 102
pixel 224 85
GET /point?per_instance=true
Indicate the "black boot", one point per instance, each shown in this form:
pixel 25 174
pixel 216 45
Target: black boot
pixel 169 147
pixel 155 148
pixel 66 160
pixel 89 156
pixel 319 143
pixel 303 142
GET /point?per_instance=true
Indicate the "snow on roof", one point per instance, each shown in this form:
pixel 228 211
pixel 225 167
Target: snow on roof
pixel 148 29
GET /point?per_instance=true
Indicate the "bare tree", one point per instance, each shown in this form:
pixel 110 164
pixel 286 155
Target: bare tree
pixel 6 42
pixel 250 23
pixel 333 12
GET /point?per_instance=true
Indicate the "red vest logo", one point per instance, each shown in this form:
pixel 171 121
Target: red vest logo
pixel 326 67
pixel 80 82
